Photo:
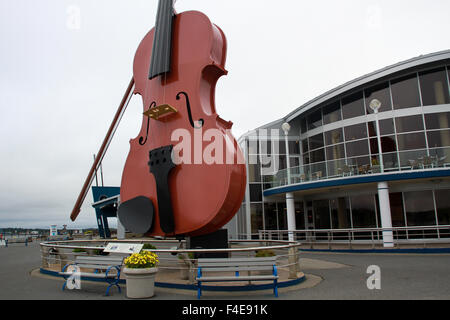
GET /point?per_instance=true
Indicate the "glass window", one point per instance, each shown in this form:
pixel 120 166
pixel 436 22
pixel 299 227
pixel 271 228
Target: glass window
pixel 265 147
pixel 255 192
pixel 306 158
pixel 419 206
pixel 303 127
pixel 281 145
pixel 299 216
pixel 442 198
pixel 253 146
pixel 282 216
pixel 437 120
pixel 335 152
pixel 314 119
pixel 321 214
pixel 270 216
pixel 357 131
pixel 294 147
pixel 294 162
pixel 411 141
pixel 316 141
pixel 386 127
pixel 317 155
pixel 405 92
pixel 305 145
pixel 332 112
pixel 387 144
pixel 359 161
pixel 256 213
pixel 334 136
pixel 412 159
pixel 439 138
pixel 434 87
pixel 363 211
pixel 254 172
pixel 357 148
pixel 353 105
pixel 381 93
pixel 396 203
pixel 410 123
pixel 340 213
pixel 282 163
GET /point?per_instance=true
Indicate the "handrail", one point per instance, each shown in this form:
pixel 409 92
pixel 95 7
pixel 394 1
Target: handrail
pixel 56 244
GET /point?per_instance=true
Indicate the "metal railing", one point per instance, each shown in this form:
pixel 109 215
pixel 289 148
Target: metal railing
pixel 421 159
pixel 172 254
pixel 418 236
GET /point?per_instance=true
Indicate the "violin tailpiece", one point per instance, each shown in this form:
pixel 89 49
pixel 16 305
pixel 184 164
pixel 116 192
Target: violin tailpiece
pixel 160 111
pixel 160 163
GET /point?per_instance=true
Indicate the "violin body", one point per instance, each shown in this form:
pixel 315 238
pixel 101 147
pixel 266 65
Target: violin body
pixel 204 196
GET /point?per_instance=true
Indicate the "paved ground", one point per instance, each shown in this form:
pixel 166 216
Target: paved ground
pixel 329 276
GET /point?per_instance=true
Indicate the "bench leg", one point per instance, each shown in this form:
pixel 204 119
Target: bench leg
pixel 275 288
pixel 113 284
pixel 199 290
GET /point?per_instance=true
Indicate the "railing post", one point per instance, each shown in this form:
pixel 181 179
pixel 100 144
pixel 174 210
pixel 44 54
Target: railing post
pixel 329 240
pixel 373 243
pixel 350 239
pixel 293 261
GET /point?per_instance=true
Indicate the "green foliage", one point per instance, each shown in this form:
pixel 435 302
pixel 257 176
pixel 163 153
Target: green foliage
pixel 264 253
pixel 148 246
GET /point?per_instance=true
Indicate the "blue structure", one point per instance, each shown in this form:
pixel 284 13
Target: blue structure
pixel 106 202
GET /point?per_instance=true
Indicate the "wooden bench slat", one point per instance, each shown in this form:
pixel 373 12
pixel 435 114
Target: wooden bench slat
pixel 234 269
pixel 238 278
pixel 221 260
pixel 100 259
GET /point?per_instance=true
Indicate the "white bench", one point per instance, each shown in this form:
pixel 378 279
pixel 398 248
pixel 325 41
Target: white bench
pixel 102 266
pixel 236 266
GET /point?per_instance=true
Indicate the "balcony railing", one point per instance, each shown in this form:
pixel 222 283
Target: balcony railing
pixel 418 236
pixel 362 165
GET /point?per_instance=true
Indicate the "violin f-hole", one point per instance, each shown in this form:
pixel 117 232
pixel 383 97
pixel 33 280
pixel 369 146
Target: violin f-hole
pixel 188 106
pixel 141 139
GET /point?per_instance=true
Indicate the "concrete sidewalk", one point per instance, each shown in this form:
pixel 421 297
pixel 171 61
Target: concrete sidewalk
pixel 328 276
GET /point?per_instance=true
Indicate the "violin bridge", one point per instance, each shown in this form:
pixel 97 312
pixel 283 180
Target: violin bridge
pixel 159 111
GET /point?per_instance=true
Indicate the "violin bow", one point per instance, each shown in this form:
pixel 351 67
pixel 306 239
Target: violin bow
pixel 104 147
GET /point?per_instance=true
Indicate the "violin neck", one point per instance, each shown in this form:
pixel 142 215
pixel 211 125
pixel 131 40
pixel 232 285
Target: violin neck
pixel 162 42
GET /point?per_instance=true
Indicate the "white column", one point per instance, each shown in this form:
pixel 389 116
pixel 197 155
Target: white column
pixel 290 208
pixel 385 214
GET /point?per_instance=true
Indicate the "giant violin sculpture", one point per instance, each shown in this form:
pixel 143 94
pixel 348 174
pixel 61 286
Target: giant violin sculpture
pixel 176 68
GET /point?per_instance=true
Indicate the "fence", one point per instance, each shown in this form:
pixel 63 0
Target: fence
pixel 423 236
pixel 172 254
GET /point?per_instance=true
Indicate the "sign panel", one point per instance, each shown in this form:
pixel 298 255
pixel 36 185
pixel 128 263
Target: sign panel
pixel 128 248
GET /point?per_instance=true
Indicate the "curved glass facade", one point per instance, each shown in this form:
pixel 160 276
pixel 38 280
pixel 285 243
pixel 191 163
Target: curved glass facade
pixel 341 137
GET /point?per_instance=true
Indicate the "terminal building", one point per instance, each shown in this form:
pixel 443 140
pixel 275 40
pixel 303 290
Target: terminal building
pixel 372 153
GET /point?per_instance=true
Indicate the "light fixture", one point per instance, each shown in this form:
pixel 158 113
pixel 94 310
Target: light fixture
pixel 286 127
pixel 375 104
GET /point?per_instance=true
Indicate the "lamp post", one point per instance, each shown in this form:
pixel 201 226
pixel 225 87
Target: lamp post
pixel 290 201
pixel 383 187
pixel 286 128
pixel 375 105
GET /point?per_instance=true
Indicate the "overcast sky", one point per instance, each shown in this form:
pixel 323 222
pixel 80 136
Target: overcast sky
pixel 64 67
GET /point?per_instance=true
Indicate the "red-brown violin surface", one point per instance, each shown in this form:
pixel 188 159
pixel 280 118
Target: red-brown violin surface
pixel 204 195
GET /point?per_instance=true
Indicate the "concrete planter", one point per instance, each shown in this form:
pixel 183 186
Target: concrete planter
pixel 140 282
